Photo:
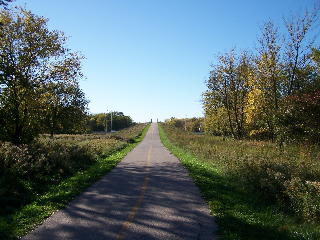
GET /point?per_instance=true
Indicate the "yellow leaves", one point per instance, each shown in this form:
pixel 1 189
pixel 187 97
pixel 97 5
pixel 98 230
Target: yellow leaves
pixel 254 101
pixel 216 120
pixel 256 132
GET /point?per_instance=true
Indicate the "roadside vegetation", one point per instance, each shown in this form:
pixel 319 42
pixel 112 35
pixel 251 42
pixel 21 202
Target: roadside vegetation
pixel 43 176
pixel 254 189
pixel 257 157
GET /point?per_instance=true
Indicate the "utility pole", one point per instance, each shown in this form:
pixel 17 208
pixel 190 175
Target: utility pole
pixel 106 122
pixel 111 123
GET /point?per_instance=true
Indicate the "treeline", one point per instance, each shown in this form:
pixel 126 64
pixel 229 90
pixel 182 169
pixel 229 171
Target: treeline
pixel 187 124
pixel 39 79
pixel 272 92
pixel 102 122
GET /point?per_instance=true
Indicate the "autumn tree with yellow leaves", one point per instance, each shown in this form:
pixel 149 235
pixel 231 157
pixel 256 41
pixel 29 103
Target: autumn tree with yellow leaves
pixel 225 99
pixel 260 93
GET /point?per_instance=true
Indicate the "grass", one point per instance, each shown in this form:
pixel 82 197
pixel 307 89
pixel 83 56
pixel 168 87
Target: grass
pixel 239 213
pixel 59 195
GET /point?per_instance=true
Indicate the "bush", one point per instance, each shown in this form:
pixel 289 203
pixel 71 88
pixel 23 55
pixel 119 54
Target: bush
pixel 304 197
pixel 188 124
pixel 300 118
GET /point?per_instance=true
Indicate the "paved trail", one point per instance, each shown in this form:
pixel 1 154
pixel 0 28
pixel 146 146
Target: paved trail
pixel 149 195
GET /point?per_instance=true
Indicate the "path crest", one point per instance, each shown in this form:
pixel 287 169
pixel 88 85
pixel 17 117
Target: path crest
pixel 148 195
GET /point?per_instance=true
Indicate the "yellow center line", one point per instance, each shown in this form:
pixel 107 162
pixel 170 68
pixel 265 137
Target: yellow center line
pixel 134 210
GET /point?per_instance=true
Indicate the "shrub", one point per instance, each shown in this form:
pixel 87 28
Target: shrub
pixel 304 197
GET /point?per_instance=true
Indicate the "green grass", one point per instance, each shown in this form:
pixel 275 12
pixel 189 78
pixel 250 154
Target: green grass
pixel 238 213
pixel 58 196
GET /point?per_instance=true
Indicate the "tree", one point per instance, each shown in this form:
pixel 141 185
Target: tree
pixel 97 122
pixel 298 50
pixel 228 88
pixel 300 103
pixel 216 121
pixel 175 122
pixel 65 108
pixel 119 121
pixel 63 99
pixel 101 121
pixel 34 65
pixel 266 89
pixel 5 2
pixel 274 96
pixel 187 124
pixel 301 111
pixel 194 124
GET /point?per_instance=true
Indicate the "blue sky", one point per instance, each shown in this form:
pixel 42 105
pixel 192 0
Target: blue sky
pixel 150 59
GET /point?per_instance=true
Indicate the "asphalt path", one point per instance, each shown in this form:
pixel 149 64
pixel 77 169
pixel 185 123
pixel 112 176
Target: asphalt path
pixel 149 195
